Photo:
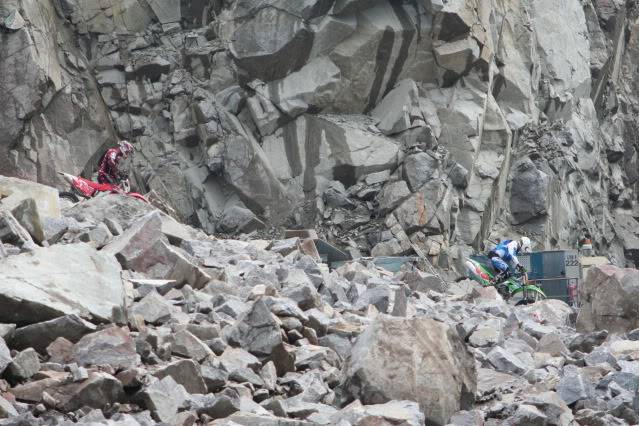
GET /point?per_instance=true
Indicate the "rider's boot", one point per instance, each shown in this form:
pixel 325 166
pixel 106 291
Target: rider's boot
pixel 501 276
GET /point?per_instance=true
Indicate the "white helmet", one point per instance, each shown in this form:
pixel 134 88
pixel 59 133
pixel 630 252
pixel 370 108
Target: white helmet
pixel 525 245
pixel 126 147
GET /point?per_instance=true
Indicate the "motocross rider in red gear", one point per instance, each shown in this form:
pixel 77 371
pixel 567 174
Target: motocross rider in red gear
pixel 108 169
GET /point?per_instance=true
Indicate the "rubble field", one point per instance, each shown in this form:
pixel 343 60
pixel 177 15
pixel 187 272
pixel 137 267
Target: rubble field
pixel 123 316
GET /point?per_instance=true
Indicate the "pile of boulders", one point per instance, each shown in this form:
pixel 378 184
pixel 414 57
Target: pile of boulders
pixel 124 316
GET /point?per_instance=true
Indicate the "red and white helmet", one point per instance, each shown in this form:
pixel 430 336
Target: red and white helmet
pixel 126 147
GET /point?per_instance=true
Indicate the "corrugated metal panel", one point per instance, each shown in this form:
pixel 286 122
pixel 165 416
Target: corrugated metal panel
pixel 553 264
pixel 555 289
pixel 533 264
pixel 552 271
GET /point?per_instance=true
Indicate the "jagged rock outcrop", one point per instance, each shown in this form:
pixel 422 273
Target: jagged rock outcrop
pixel 53 117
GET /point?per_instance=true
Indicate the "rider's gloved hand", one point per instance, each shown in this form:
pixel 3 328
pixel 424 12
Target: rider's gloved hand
pixel 521 269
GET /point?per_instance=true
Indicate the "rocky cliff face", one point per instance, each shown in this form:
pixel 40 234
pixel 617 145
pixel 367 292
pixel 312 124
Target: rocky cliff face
pixel 387 125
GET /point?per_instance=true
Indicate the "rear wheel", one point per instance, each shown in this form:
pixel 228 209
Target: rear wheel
pixel 67 195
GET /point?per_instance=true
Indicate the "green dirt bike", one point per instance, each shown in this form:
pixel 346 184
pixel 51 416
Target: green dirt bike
pixel 515 286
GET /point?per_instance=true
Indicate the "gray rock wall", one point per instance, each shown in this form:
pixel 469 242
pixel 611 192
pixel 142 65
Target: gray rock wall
pixel 527 109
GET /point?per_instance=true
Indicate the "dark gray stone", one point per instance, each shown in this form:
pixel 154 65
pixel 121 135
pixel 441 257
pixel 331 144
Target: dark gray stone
pixel 214 374
pixel 419 168
pixel 153 308
pixel 40 335
pixel 587 342
pixel 256 330
pixel 529 192
pixel 574 387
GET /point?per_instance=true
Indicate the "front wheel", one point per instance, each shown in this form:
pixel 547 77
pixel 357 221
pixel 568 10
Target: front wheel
pixel 530 296
pixel 67 195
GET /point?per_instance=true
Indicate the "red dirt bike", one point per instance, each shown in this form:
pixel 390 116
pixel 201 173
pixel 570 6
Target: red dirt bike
pixel 85 188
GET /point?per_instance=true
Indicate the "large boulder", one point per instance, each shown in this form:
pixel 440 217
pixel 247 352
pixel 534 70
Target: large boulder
pixel 314 86
pixel 529 189
pixel 314 150
pixel 412 359
pixel 11 231
pixel 249 172
pixel 27 214
pixel 610 300
pixel 426 209
pixel 552 311
pixel 60 280
pixel 399 110
pixel 391 42
pixel 130 16
pixel 392 412
pixel 419 168
pixel 143 248
pixel 163 398
pixel 153 308
pixel 271 44
pixel 119 208
pixel 15 191
pixel 568 69
pixel 185 372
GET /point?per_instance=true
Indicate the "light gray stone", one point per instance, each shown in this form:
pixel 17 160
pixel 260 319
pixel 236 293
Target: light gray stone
pixel 313 86
pixel 24 365
pixel 187 345
pixel 153 308
pixel 11 231
pixel 163 398
pixel 90 286
pixel 608 293
pixel 399 110
pixel 506 362
pixel 112 346
pixel 144 248
pixel 574 386
pixel 528 415
pixel 185 372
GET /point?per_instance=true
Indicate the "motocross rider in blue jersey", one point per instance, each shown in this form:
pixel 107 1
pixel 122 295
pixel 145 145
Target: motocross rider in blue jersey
pixel 504 256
